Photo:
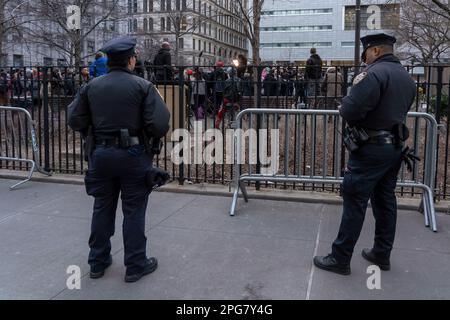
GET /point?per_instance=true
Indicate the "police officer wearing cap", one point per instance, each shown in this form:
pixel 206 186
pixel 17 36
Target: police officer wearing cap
pixel 376 107
pixel 118 111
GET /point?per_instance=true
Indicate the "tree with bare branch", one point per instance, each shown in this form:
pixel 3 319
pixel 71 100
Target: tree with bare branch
pixel 51 28
pixel 251 16
pixel 423 32
pixel 13 18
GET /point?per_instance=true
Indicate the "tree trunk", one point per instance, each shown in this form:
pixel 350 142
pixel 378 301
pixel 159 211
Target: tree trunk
pixel 78 50
pixel 177 51
pixel 2 30
pixel 257 4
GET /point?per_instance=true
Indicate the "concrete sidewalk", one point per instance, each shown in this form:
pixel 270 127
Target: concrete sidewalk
pixel 264 252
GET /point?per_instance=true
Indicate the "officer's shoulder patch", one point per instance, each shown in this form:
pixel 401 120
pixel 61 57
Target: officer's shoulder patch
pixel 360 77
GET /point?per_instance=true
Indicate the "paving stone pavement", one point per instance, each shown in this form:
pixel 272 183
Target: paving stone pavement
pixel 264 252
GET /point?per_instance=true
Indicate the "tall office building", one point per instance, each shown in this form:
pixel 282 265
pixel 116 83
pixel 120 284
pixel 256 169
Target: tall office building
pixel 203 30
pixel 290 28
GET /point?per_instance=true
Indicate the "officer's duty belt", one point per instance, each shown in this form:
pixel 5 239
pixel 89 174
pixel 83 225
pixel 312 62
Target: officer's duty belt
pixel 115 142
pixel 381 140
pixel 380 137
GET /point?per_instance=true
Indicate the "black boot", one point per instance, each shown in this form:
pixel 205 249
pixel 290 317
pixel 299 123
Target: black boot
pixel 151 266
pixel 383 263
pixel 98 272
pixel 329 263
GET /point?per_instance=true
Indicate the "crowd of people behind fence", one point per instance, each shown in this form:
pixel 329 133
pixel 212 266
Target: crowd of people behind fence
pixel 212 90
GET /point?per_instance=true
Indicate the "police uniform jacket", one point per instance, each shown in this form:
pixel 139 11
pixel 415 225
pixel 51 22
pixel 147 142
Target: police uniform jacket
pixel 119 100
pixel 381 96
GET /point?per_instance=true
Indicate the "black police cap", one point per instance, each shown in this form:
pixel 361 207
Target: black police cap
pixel 378 39
pixel 124 46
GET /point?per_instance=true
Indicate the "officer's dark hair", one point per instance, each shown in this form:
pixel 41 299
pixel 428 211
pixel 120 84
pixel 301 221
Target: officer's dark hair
pixel 118 61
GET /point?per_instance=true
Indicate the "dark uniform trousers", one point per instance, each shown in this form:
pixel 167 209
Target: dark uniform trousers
pixel 371 173
pixel 113 171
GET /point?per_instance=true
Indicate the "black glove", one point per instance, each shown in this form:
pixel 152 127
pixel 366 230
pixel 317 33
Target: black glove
pixel 156 177
pixel 409 157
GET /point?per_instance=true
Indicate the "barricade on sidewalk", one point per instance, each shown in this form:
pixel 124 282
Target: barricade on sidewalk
pixel 18 141
pixel 326 169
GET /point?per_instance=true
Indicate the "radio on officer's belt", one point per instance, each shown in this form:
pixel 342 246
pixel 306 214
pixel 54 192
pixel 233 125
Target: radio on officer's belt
pixel 124 138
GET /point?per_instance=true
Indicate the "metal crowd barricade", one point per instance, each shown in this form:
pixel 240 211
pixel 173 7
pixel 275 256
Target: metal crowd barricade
pixel 426 183
pixel 15 141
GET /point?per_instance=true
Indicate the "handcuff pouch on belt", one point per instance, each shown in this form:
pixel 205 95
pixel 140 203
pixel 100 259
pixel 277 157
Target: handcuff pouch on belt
pixel 354 137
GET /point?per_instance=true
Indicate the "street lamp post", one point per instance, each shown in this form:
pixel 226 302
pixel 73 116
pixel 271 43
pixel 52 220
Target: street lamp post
pixel 357 33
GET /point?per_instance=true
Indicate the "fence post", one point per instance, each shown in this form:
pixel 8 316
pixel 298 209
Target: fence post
pixel 440 70
pixel 46 120
pixel 181 120
pixel 439 88
pixel 258 123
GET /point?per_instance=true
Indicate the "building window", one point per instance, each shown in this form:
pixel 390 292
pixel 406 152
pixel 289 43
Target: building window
pixel 181 43
pixel 184 5
pixel 150 5
pixel 48 62
pixel 169 25
pixel 150 24
pixel 348 44
pixel 300 12
pixel 145 25
pixel 389 17
pixel 135 6
pixel 145 8
pixel 177 5
pixel 296 45
pixel 163 24
pixel 169 5
pixel 193 44
pixel 163 5
pixel 299 28
pixel 184 23
pixel 90 46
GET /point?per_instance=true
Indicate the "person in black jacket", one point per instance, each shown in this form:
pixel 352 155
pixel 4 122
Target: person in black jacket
pixel 121 110
pixel 313 73
pixel 163 64
pixel 377 105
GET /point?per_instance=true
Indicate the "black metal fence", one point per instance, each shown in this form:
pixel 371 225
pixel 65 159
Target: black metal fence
pixel 209 96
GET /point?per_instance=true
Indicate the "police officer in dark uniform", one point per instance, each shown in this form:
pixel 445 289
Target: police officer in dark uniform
pixel 375 111
pixel 118 112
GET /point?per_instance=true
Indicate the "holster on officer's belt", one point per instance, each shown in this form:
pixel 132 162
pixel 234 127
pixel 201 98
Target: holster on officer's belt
pixel 156 177
pixel 153 146
pixel 401 134
pixel 89 144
